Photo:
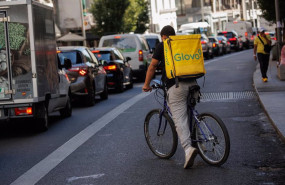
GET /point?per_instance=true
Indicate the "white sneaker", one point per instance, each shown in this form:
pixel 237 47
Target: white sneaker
pixel 190 155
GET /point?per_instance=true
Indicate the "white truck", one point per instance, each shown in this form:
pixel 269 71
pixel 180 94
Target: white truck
pixel 244 31
pixel 32 82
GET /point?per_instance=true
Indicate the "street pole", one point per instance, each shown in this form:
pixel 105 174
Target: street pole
pixel 202 10
pixel 278 24
pixel 83 26
pixel 281 67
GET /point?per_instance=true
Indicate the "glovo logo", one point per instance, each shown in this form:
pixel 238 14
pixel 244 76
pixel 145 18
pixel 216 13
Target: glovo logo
pixel 187 57
pixel 166 54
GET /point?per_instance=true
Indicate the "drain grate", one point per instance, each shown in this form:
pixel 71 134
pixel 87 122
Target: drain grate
pixel 227 96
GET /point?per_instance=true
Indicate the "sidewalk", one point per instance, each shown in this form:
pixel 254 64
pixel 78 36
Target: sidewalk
pixel 272 97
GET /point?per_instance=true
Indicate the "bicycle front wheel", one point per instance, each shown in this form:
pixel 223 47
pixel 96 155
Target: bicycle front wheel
pixel 160 134
pixel 212 139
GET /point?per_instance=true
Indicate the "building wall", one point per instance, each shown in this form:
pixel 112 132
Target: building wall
pixel 162 13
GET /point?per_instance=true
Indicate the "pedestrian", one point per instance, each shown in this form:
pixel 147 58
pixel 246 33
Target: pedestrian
pixel 259 53
pixel 176 97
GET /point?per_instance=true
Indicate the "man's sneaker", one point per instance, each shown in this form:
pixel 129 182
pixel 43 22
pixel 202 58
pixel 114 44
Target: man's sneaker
pixel 264 79
pixel 190 155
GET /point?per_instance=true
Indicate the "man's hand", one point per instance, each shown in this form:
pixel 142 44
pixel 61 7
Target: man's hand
pixel 146 88
pixel 255 58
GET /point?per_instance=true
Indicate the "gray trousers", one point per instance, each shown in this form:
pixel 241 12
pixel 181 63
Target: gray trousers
pixel 177 102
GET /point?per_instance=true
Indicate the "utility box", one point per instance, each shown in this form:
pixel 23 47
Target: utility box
pixel 30 75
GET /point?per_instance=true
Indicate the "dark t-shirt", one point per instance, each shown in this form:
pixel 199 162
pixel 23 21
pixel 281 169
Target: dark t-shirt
pixel 159 55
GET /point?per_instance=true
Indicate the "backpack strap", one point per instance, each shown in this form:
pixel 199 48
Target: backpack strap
pixel 261 40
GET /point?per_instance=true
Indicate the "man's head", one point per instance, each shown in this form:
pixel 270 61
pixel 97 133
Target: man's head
pixel 261 31
pixel 167 31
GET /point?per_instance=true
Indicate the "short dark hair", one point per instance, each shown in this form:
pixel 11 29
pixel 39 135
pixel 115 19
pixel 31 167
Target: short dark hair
pixel 167 30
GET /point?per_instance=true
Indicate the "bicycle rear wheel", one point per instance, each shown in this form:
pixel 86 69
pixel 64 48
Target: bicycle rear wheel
pixel 212 139
pixel 160 134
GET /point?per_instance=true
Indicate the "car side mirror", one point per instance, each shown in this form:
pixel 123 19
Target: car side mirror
pixel 67 63
pixel 128 59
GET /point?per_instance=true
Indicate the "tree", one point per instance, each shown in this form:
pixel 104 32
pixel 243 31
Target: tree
pixel 268 10
pixel 143 16
pixel 109 15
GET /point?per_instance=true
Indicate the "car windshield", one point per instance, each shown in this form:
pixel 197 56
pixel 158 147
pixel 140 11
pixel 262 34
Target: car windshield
pixel 227 34
pixel 72 55
pixel 220 38
pixel 152 42
pixel 212 40
pixel 126 44
pixel 104 55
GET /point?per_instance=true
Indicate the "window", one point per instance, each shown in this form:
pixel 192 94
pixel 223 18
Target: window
pixel 94 59
pixel 180 5
pixel 118 55
pixel 127 44
pixel 74 57
pixel 86 57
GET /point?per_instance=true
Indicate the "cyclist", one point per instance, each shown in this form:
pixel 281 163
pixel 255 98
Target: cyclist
pixel 176 97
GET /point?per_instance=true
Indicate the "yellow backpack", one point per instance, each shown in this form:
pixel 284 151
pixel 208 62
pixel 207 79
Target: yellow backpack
pixel 184 57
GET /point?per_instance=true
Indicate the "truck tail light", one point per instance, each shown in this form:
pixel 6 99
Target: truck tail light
pixel 140 55
pixel 203 42
pixel 110 68
pixel 23 111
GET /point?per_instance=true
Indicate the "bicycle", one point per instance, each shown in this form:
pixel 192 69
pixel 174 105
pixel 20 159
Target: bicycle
pixel 208 132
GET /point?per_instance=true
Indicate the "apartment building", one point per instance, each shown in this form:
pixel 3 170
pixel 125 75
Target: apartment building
pixel 162 13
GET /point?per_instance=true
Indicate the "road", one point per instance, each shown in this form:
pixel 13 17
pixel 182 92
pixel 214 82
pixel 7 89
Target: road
pixel 105 144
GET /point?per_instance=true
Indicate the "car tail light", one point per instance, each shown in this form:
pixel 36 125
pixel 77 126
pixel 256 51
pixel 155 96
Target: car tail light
pixel 81 71
pixel 220 41
pixel 203 42
pixel 58 51
pixel 224 32
pixel 245 34
pixel 111 83
pixel 252 37
pixel 95 51
pixel 229 42
pixel 140 55
pixel 233 39
pixel 117 37
pixel 23 111
pixel 274 38
pixel 214 45
pixel 110 68
pixel 67 77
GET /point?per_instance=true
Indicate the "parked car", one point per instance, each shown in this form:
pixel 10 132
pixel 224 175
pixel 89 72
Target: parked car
pixel 133 46
pixel 233 38
pixel 272 36
pixel 207 47
pixel 217 46
pixel 119 71
pixel 226 44
pixel 88 77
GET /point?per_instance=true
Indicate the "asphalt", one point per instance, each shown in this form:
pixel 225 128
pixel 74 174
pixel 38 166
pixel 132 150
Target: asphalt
pixel 272 97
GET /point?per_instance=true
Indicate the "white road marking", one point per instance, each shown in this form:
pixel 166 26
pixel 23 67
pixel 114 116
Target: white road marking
pixel 71 179
pixel 226 56
pixel 33 175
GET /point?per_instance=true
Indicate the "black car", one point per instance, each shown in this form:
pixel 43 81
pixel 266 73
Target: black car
pixel 119 71
pixel 87 76
pixel 233 38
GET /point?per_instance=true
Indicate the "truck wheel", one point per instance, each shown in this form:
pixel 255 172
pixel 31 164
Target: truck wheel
pixel 67 110
pixel 42 118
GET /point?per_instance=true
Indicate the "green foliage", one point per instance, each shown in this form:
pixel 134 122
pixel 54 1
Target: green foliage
pixel 268 9
pixel 16 35
pixel 117 16
pixel 109 15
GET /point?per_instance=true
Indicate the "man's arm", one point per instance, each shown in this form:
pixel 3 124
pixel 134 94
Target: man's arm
pixel 254 51
pixel 149 75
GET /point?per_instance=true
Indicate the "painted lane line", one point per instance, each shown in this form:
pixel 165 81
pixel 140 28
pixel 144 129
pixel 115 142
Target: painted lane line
pixel 33 175
pixel 96 176
pixel 227 56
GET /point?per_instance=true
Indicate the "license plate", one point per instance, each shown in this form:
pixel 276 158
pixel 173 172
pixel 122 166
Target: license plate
pixel 110 75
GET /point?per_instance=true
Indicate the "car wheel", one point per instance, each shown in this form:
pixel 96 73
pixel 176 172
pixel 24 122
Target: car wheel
pixel 120 85
pixel 67 110
pixel 104 94
pixel 91 96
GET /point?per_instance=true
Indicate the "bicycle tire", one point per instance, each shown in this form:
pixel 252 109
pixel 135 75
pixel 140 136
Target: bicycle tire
pixel 216 150
pixel 162 145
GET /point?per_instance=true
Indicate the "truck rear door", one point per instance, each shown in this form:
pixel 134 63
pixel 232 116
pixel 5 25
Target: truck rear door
pixel 5 59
